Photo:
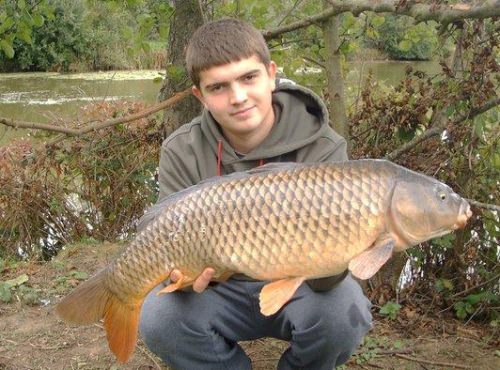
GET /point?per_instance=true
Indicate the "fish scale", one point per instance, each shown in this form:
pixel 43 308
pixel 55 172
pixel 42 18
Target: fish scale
pixel 283 223
pixel 289 243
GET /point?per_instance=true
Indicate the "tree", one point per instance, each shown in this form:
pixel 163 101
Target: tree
pixel 188 17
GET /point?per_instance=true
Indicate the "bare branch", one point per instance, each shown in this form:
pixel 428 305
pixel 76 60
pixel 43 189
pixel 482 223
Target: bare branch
pixel 100 125
pixel 440 126
pixel 420 12
pixel 491 207
pixel 437 363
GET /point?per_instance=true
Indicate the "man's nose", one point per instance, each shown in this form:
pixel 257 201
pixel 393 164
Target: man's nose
pixel 238 94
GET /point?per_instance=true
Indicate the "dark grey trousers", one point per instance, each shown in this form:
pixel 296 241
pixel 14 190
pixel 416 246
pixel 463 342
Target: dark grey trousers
pixel 191 331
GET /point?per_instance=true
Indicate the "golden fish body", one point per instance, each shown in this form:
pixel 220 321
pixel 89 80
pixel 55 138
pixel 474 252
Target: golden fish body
pixel 281 222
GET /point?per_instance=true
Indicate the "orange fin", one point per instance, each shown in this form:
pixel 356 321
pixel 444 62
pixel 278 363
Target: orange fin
pixel 121 322
pixel 275 295
pixel 365 265
pixel 87 302
pixel 183 282
pixel 92 301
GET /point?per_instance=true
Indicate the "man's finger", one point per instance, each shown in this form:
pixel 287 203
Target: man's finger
pixel 175 275
pixel 203 280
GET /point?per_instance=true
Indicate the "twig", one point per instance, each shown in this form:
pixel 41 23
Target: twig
pixel 48 348
pixel 314 61
pixel 100 125
pixel 491 207
pixel 438 363
pixel 494 278
pixel 150 357
pixel 395 351
pixel 440 126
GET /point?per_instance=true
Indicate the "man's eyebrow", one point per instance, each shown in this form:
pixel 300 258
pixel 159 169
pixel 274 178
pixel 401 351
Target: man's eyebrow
pixel 253 71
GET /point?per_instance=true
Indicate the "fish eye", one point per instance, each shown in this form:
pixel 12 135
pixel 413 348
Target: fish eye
pixel 442 196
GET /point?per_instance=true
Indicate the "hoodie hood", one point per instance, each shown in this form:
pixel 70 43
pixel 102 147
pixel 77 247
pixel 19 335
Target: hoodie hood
pixel 302 105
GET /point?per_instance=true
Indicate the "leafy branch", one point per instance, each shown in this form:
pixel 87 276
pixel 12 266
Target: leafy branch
pixel 443 14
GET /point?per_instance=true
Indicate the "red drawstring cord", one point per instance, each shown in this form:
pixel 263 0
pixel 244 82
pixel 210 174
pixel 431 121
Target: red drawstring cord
pixel 219 157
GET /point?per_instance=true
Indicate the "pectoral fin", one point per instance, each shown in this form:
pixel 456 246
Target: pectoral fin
pixel 183 282
pixel 274 295
pixel 365 265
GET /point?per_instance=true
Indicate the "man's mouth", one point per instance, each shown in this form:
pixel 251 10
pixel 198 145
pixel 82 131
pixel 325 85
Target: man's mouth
pixel 242 112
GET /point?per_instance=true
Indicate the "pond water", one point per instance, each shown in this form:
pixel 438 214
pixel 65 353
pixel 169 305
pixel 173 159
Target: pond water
pixel 42 97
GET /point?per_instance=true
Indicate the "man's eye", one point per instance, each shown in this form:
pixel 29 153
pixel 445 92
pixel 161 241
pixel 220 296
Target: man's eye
pixel 216 88
pixel 250 77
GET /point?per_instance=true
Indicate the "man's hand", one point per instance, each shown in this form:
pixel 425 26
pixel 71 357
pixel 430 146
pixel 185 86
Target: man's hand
pixel 201 282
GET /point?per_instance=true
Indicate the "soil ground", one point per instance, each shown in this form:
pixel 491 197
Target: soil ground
pixel 33 337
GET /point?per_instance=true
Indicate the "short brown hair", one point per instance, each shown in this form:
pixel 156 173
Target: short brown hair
pixel 223 41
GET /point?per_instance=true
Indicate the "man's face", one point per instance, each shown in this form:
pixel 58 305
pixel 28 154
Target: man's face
pixel 238 95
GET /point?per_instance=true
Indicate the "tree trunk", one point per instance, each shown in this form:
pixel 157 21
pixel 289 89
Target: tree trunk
pixel 334 77
pixel 188 17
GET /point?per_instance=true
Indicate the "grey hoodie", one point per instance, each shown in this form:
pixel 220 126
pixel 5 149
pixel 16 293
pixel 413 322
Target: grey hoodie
pixel 301 133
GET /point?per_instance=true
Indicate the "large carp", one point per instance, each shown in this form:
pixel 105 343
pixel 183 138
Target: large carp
pixel 283 223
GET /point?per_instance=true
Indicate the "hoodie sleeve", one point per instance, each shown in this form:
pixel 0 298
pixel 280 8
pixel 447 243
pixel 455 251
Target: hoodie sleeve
pixel 174 175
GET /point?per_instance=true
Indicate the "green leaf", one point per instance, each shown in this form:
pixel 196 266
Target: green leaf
pixel 7 49
pixel 25 36
pixel 443 284
pixel 378 21
pixel 405 45
pixel 79 275
pixel 8 23
pixel 146 47
pixel 390 309
pixel 21 4
pixel 397 344
pixel 20 280
pixel 38 20
pixel 5 294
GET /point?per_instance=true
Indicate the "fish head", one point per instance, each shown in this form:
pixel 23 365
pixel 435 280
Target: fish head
pixel 423 208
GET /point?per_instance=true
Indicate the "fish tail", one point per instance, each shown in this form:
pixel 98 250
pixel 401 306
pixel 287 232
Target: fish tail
pixel 92 301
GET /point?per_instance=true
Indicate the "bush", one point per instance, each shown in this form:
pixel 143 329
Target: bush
pixel 95 186
pixel 55 45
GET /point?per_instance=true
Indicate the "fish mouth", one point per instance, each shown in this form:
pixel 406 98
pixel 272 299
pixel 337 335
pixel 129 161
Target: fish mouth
pixel 463 215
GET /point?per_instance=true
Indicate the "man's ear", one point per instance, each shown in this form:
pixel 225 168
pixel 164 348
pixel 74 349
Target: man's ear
pixel 271 71
pixel 197 92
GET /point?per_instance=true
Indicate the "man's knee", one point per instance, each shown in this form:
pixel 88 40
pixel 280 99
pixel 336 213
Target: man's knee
pixel 337 319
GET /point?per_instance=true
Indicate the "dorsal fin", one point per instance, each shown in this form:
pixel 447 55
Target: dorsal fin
pixel 273 167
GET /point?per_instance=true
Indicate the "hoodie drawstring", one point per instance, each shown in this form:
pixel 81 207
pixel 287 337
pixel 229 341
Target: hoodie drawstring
pixel 219 158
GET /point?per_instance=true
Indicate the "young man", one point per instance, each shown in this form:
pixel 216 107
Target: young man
pixel 250 118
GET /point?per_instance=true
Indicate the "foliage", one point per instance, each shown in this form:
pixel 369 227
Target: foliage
pixel 87 34
pixel 19 19
pixel 16 289
pixel 94 186
pixel 390 309
pixel 403 42
pixel 56 44
pixel 466 158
